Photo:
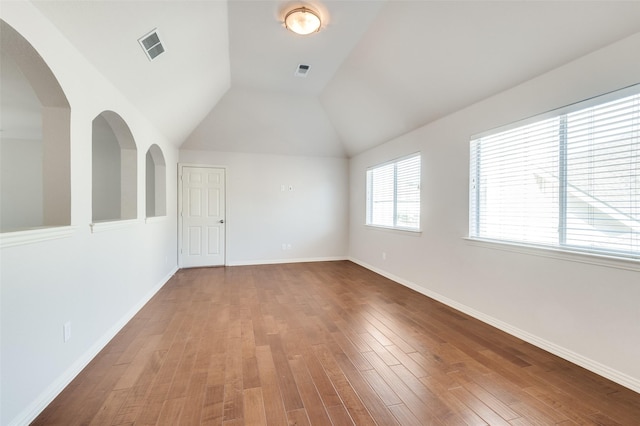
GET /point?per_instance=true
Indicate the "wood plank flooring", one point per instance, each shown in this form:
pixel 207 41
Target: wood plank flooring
pixel 321 344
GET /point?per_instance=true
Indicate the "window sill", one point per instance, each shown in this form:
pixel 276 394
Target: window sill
pixel 155 219
pixel 558 253
pixel 36 235
pixel 415 232
pixel 111 225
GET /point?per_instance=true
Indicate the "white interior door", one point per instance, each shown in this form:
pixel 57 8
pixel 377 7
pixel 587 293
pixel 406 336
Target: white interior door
pixel 202 217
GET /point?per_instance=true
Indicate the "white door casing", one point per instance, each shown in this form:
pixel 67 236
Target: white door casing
pixel 202 217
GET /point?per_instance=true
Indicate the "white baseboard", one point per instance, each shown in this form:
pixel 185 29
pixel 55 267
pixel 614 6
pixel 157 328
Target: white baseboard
pixel 589 364
pixel 276 261
pixel 40 403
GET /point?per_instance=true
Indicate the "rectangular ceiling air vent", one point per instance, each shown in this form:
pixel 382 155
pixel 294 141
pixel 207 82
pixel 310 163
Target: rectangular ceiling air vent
pixel 151 44
pixel 302 70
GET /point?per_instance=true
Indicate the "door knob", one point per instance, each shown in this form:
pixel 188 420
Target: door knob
pixel 221 221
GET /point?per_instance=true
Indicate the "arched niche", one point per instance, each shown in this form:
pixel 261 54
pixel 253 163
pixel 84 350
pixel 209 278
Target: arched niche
pixel 114 169
pixel 156 182
pixel 35 164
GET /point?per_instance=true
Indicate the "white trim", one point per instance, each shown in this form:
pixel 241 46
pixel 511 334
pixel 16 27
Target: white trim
pixel 414 232
pixel 277 261
pixel 558 253
pixel 155 219
pixel 200 165
pixel 40 403
pixel 591 365
pixel 30 236
pixel 112 225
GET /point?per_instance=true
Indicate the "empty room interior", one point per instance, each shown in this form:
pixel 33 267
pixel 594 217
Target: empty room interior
pixel 320 212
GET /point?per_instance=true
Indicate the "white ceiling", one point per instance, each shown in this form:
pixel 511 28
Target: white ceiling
pixel 264 55
pixel 421 60
pixel 176 90
pixel 378 68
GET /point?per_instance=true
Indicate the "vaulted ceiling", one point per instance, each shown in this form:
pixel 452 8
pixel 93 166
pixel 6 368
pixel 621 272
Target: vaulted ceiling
pixel 379 69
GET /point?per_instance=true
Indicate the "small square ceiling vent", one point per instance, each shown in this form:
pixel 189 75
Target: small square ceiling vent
pixel 302 70
pixel 151 44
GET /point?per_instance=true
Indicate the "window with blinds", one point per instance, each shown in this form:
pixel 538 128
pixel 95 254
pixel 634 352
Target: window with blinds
pixel 393 194
pixel 569 179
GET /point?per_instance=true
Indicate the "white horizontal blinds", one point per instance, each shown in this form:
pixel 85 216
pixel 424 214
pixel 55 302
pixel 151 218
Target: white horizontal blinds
pixel 393 194
pixel 474 188
pixel 381 195
pixel 408 193
pixel 572 180
pixel 603 176
pixel 517 186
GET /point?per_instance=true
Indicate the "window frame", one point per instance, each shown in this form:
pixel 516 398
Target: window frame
pixel 560 248
pixel 368 199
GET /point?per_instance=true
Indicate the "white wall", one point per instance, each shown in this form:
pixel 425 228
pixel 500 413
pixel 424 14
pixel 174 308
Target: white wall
pixel 20 183
pixel 21 150
pixel 94 280
pixel 585 312
pixel 150 185
pixel 312 217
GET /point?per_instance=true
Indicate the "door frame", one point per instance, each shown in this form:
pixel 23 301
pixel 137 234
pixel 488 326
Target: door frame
pixel 181 166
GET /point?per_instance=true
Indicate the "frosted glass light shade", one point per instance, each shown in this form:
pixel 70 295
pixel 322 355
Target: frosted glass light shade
pixel 302 21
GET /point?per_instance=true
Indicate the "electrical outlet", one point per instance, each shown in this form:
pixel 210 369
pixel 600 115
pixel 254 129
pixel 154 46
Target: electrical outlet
pixel 66 331
pixel 284 246
pixel 288 246
pixel 384 255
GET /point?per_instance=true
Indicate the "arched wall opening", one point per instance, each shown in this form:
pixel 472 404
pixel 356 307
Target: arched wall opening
pixel 114 169
pixel 35 176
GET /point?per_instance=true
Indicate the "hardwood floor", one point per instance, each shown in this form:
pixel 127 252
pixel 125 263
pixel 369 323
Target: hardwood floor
pixel 324 343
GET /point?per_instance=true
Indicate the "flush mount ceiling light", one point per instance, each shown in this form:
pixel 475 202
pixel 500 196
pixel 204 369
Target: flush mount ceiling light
pixel 302 21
